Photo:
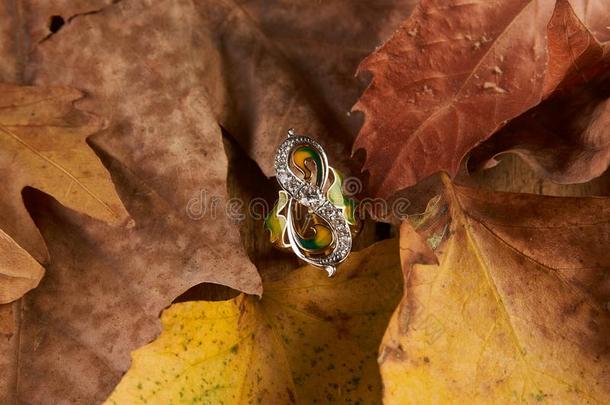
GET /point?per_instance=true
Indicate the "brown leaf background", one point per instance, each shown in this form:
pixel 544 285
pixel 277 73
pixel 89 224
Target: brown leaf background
pixel 456 73
pixel 463 69
pixel 565 137
pixel 164 78
pixel 170 79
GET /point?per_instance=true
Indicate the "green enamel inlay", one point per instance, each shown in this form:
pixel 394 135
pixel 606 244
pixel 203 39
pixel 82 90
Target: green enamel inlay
pixel 321 240
pixel 335 196
pixel 301 154
pixel 276 222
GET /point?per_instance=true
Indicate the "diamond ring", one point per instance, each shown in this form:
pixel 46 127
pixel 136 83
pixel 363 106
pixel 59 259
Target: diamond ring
pixel 312 217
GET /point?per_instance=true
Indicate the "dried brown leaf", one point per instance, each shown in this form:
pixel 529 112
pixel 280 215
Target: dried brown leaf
pixel 594 14
pixel 166 76
pixel 164 150
pixel 567 137
pixel 161 128
pixel 292 65
pixel 43 144
pixel 103 291
pixel 448 78
pixel 19 272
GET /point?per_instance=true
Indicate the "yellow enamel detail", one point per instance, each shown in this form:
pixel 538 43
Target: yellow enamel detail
pixel 276 222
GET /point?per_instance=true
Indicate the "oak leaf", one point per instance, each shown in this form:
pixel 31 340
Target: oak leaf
pixel 309 339
pixel 103 291
pixel 106 285
pixel 161 126
pixel 264 67
pixel 294 69
pixel 19 272
pixel 505 301
pixel 163 147
pixel 43 145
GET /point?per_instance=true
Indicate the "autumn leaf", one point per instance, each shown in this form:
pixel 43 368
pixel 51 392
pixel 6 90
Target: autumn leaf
pixel 195 98
pixel 323 43
pixel 43 144
pixel 575 55
pixel 594 14
pixel 163 146
pixel 172 152
pixel 455 74
pixel 19 272
pixel 106 285
pixel 565 138
pixel 301 65
pixel 238 44
pixel 163 132
pixel 104 289
pixel 514 308
pixel 263 68
pixel 310 339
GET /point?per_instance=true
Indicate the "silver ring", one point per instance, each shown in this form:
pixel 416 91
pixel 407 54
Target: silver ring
pixel 312 217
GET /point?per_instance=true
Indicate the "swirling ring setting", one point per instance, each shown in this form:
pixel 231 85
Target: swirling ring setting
pixel 311 216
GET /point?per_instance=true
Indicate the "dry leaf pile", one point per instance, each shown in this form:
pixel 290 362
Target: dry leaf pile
pixel 133 136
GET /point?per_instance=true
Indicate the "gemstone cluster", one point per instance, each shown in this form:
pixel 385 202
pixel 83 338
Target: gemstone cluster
pixel 313 197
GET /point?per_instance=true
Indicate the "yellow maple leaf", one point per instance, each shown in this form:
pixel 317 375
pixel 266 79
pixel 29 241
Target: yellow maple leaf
pixel 514 309
pixel 308 339
pixel 43 145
